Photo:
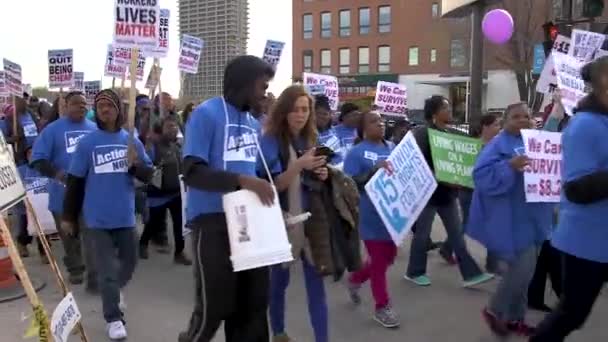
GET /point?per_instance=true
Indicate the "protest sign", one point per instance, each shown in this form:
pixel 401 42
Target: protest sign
pixel 162 47
pixel 600 53
pixel 3 88
pixel 113 68
pixel 141 64
pixel 547 83
pixel 542 179
pixel 153 77
pixel 78 81
pixel 571 85
pixel 539 59
pixel 64 318
pixel 136 23
pixel 11 187
pixel 391 98
pixel 61 68
pixel 453 157
pixel 315 89
pixel 122 55
pixel 272 52
pixel 91 88
pixel 190 54
pixel 12 72
pixel 399 197
pixel 585 44
pixel 329 82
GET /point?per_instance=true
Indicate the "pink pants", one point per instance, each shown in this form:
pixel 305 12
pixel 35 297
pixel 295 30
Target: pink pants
pixel 381 254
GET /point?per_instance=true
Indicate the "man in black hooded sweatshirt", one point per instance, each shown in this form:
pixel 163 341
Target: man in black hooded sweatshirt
pixel 220 157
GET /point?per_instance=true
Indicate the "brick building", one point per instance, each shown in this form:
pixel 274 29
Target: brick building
pixel 404 41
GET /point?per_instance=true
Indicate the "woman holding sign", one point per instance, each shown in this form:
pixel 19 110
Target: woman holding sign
pixel 508 226
pixel 365 158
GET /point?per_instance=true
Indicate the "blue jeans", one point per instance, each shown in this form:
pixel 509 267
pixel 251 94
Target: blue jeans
pixel 451 221
pixel 315 291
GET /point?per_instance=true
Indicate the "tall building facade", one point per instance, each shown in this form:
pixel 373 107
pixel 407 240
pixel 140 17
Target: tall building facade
pixel 402 41
pixel 223 25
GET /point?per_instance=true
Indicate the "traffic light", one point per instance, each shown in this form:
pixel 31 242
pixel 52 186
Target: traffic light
pixel 593 8
pixel 551 31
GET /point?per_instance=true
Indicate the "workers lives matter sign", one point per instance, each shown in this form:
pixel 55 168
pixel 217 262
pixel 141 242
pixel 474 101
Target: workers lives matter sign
pixel 136 23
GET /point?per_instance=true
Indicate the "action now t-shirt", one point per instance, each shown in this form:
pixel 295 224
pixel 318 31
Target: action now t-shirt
pixel 359 160
pixel 30 130
pixel 109 198
pixel 33 182
pixel 56 144
pixel 225 138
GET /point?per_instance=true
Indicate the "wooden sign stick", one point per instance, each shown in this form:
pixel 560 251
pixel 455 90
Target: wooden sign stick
pixel 132 94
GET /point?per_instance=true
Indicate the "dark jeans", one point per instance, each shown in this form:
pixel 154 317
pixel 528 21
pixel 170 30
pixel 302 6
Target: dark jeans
pixel 239 299
pixel 451 221
pixel 549 263
pixel 73 247
pixel 582 283
pixel 23 237
pixel 110 277
pixel 157 223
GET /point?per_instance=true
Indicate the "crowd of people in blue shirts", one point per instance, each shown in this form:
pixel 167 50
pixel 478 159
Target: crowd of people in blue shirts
pixel 93 167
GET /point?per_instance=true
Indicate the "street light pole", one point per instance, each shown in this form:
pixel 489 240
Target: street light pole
pixel 476 66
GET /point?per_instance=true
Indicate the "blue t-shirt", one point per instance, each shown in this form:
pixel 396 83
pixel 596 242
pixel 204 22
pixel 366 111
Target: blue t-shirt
pixel 581 229
pixel 56 144
pixel 225 138
pixel 33 182
pixel 329 138
pixel 109 199
pixel 30 130
pixel 347 137
pixel 359 160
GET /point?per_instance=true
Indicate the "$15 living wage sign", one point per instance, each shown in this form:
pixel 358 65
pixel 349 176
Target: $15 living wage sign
pixel 453 157
pixel 543 178
pixel 11 187
pixel 400 197
pixel 391 98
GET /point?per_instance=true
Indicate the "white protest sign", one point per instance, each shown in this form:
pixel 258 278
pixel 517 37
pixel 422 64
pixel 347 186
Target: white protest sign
pixel 61 68
pixel 122 55
pixel 162 47
pixel 141 64
pixel 272 52
pixel 183 191
pixel 400 197
pixel 136 23
pixel 571 85
pixel 329 82
pixel 3 87
pixel 78 81
pixel 547 82
pixel 542 179
pixel 391 98
pixel 11 187
pixel 113 68
pixel 65 317
pixel 91 88
pixel 13 77
pixel 585 44
pixel 153 77
pixel 190 54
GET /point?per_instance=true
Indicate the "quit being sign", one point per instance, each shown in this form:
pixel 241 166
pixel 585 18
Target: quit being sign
pixel 61 68
pixel 136 23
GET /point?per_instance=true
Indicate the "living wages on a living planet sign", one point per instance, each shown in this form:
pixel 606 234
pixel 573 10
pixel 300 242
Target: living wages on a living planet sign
pixel 454 157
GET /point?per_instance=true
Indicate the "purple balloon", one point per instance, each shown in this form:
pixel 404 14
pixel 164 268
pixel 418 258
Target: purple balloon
pixel 498 26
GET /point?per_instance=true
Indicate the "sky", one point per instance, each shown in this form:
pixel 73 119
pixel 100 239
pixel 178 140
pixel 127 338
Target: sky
pixel 32 27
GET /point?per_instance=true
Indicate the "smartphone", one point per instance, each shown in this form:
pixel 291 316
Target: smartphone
pixel 324 151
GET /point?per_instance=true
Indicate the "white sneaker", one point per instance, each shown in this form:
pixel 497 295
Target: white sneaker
pixel 122 304
pixel 116 330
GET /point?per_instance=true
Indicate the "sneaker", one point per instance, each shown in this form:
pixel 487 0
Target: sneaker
pixel 23 251
pixel 76 279
pixel 143 252
pixel 353 292
pixel 477 280
pixel 422 280
pixel 116 330
pixel 497 326
pixel 386 317
pixel 182 259
pixel 521 328
pixel 282 338
pixel 122 304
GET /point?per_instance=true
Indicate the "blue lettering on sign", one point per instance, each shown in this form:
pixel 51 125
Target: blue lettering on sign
pixel 383 185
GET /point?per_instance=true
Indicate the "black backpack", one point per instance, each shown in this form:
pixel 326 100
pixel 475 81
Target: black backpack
pixel 167 158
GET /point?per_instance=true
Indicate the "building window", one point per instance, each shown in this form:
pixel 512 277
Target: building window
pixel 384 58
pixel 435 10
pixel 325 25
pixel 364 20
pixel 458 55
pixel 345 61
pixel 307 55
pixel 345 23
pixel 363 60
pixel 433 55
pixel 307 25
pixel 326 61
pixel 413 56
pixel 384 19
